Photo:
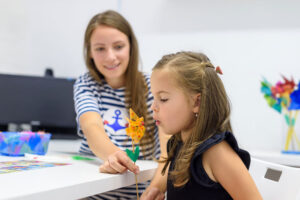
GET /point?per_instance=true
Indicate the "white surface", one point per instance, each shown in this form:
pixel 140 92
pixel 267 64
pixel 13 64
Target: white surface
pixel 78 180
pixel 63 146
pixel 277 157
pixel 286 188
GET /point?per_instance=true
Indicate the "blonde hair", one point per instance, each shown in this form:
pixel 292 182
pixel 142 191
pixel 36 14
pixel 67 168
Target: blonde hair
pixel 136 90
pixel 195 74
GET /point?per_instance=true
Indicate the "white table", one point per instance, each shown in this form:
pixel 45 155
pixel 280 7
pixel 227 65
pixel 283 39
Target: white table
pixel 75 181
pixel 277 157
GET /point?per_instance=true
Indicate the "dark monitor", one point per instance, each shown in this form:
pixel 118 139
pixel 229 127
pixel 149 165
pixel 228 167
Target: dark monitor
pixel 44 103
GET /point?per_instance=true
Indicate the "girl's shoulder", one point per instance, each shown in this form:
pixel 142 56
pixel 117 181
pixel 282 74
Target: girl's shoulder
pixel 219 142
pixel 217 148
pixel 221 154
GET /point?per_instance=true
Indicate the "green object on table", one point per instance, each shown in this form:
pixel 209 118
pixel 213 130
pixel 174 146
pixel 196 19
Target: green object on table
pixel 133 155
pixel 81 158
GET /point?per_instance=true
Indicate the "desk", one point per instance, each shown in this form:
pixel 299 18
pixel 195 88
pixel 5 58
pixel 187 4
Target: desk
pixel 277 157
pixel 78 180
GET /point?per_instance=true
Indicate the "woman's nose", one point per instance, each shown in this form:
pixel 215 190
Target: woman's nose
pixel 111 55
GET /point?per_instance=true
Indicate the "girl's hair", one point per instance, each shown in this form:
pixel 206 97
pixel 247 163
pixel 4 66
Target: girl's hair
pixel 195 73
pixel 136 90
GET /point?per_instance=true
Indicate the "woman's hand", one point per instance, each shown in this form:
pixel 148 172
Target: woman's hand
pixel 153 194
pixel 118 162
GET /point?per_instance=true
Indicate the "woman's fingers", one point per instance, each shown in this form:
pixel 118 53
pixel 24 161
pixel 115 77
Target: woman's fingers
pixel 127 162
pixel 116 165
pixel 118 162
pixel 105 168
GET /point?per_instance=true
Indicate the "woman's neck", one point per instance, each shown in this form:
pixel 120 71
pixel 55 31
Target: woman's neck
pixel 116 83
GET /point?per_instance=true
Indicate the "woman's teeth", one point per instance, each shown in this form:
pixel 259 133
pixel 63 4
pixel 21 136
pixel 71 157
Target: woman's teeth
pixel 112 67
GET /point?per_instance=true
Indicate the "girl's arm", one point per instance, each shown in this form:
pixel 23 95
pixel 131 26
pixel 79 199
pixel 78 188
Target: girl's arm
pixel 223 165
pixel 115 160
pixel 158 185
pixel 157 188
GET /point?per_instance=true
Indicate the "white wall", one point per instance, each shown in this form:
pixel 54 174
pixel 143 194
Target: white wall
pixel 38 34
pixel 248 39
pixel 245 57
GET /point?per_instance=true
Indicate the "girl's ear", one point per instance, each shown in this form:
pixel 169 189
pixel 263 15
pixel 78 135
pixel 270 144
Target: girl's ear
pixel 197 101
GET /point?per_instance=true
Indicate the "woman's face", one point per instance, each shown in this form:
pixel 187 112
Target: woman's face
pixel 110 50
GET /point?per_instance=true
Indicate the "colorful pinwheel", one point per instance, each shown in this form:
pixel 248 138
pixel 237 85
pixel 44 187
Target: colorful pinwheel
pixel 284 97
pixel 136 127
pixel 136 131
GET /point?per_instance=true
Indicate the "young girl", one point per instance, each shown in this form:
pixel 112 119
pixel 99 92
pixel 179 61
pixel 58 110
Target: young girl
pixel 204 160
pixel 104 94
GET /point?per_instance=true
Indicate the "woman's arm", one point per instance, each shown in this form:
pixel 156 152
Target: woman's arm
pixel 223 165
pixel 115 160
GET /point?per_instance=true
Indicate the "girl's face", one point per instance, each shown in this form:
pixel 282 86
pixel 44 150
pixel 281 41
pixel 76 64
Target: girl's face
pixel 110 50
pixel 173 109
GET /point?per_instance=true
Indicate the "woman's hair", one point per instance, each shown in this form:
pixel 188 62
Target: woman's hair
pixel 136 90
pixel 195 73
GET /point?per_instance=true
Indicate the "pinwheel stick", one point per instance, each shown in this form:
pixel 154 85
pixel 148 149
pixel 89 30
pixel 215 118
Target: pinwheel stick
pixel 135 176
pixel 136 131
pixel 291 129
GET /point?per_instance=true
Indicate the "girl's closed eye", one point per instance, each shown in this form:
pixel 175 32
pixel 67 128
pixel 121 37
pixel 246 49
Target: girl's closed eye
pixel 163 100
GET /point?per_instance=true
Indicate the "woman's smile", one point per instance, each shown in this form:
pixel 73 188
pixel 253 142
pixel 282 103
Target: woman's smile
pixel 111 67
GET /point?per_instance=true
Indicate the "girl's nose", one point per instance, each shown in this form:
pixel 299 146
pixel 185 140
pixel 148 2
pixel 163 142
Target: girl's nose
pixel 154 107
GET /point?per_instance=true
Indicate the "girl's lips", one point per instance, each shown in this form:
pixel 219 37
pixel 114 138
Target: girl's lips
pixel 157 122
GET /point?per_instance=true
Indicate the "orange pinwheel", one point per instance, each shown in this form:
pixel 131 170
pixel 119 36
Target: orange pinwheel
pixel 136 127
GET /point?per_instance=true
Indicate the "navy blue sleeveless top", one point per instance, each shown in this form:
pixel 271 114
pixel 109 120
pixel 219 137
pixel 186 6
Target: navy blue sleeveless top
pixel 200 186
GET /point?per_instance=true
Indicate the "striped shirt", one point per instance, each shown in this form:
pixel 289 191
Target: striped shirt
pixel 109 103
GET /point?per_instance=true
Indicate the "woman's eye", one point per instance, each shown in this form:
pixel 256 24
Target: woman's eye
pixel 118 47
pixel 99 49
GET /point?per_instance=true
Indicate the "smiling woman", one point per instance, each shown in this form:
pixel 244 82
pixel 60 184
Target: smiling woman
pixel 110 51
pixel 104 94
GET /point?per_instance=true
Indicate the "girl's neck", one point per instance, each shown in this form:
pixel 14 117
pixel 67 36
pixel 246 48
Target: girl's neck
pixel 185 135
